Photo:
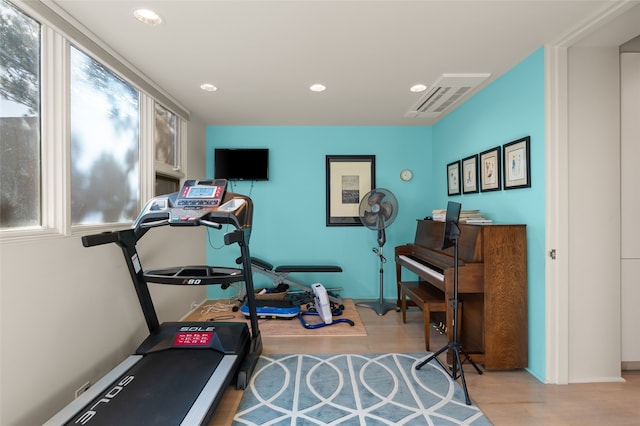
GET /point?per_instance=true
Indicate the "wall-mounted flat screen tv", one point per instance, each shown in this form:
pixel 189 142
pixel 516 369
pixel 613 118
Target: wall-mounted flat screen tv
pixel 241 163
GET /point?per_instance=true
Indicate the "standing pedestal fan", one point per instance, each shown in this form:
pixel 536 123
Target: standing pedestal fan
pixel 378 209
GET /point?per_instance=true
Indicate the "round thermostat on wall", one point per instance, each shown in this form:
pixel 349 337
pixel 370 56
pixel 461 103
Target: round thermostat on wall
pixel 406 174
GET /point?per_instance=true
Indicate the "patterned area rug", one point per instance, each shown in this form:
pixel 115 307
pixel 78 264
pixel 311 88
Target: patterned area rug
pixel 353 389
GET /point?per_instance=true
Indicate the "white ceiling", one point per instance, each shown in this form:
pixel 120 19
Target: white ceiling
pixel 263 55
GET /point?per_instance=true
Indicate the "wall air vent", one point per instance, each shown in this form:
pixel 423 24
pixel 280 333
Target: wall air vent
pixel 447 91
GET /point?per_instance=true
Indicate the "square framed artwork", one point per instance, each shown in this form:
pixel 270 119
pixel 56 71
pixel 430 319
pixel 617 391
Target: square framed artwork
pixel 516 160
pixel 470 174
pixel 349 178
pixel 453 178
pixel 490 170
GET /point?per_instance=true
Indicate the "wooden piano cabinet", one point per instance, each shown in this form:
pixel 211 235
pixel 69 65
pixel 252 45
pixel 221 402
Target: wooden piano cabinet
pixel 492 287
pixel 505 297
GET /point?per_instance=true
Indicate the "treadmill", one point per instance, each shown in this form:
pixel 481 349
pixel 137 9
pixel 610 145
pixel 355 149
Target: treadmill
pixel 178 375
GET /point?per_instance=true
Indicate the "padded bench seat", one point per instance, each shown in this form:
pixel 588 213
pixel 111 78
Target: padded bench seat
pixel 427 298
pixel 291 268
pixel 308 268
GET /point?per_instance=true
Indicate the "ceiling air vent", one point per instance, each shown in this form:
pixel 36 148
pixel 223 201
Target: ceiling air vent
pixel 446 92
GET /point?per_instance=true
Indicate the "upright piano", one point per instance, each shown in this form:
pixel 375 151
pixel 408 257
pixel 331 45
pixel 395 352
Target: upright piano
pixel 492 286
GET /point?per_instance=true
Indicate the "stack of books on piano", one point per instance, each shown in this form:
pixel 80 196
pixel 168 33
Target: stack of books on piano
pixel 466 216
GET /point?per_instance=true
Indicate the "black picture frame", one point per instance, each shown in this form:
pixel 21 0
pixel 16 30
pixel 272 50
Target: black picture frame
pixel 349 178
pixel 490 169
pixel 453 178
pixel 470 174
pixel 516 164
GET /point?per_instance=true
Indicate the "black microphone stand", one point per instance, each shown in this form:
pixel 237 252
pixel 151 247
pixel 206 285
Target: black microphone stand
pixel 456 370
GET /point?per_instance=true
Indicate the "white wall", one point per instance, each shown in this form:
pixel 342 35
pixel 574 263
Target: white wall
pixel 630 205
pixel 594 214
pixel 69 314
pixel 594 186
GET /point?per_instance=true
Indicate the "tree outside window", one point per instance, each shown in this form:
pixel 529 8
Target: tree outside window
pixel 105 147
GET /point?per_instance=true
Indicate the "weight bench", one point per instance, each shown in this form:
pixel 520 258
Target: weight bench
pixel 280 274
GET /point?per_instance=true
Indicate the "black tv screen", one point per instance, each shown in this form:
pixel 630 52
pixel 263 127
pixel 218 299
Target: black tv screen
pixel 241 163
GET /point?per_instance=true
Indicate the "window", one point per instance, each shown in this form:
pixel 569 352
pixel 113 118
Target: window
pixel 19 119
pixel 167 146
pixel 166 185
pixel 105 122
pixel 83 138
pixel 165 136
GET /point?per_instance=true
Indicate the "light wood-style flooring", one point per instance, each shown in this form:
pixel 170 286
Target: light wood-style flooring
pixel 506 397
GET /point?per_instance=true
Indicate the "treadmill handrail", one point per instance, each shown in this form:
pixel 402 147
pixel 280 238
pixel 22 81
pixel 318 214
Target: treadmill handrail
pixel 155 223
pixel 210 224
pixel 99 239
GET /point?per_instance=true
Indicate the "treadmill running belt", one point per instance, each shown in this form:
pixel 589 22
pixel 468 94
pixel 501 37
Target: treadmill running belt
pixel 158 390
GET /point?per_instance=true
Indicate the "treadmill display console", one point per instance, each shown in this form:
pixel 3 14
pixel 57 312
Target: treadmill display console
pixel 190 338
pixel 201 194
pixel 195 199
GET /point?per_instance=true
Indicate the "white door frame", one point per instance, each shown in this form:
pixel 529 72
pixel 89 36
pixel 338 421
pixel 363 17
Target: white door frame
pixel 557 274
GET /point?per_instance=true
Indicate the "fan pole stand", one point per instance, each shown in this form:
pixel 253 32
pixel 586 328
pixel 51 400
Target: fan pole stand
pixel 380 306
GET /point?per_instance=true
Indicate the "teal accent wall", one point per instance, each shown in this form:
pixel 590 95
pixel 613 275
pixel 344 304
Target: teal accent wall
pixel 510 108
pixel 289 209
pixel 289 225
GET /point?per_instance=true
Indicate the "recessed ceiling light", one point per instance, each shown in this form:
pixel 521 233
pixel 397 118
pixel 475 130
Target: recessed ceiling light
pixel 208 87
pixel 317 87
pixel 418 88
pixel 147 16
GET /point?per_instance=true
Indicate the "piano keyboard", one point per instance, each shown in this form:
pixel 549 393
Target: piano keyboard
pixel 421 266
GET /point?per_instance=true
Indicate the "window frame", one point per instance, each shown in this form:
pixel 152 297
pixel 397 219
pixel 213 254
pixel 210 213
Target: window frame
pixel 47 108
pixel 58 33
pixel 168 170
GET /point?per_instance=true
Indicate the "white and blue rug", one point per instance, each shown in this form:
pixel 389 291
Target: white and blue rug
pixel 353 389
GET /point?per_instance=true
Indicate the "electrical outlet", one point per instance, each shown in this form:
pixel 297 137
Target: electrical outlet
pixel 194 305
pixel 82 389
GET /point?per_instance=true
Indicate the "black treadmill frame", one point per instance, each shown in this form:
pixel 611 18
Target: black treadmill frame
pixel 127 239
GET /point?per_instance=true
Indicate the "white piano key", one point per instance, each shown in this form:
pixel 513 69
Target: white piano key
pixel 424 268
